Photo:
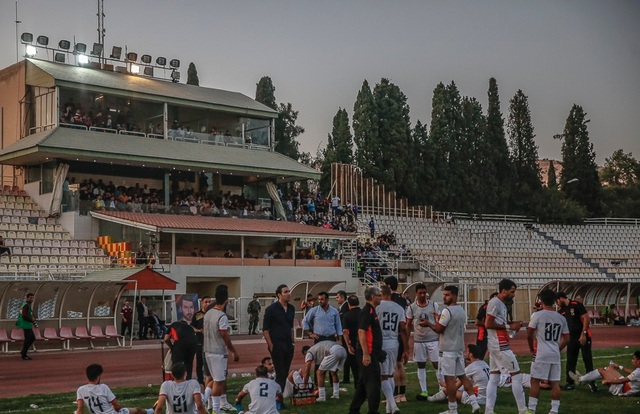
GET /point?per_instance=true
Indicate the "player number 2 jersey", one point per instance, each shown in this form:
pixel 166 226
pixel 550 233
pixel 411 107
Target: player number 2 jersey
pixel 263 393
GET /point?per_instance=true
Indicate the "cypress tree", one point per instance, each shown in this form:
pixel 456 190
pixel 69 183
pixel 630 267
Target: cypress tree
pixel 287 131
pixel 579 179
pixel 266 92
pixel 473 126
pixel 365 134
pixel 339 148
pixel 192 75
pixel 552 181
pixel 440 146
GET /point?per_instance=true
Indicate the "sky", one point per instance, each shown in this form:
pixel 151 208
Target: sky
pixel 318 53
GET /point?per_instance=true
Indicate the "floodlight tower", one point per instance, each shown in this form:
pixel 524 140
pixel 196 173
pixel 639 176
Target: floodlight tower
pixel 101 29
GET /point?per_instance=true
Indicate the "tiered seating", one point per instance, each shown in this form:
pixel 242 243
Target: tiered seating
pixel 38 244
pixel 514 249
pixel 119 252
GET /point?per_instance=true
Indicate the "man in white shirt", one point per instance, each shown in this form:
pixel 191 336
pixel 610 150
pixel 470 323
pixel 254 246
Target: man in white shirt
pixel 393 324
pixel 217 344
pixel 180 395
pixel 500 353
pixel 619 385
pixel 264 393
pixel 551 333
pixel 425 340
pixel 450 325
pixel 327 356
pixel 99 398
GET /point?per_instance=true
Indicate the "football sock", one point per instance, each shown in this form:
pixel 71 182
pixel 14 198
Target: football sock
pixel 422 379
pixel 533 404
pixel 336 389
pixel 492 392
pixel 453 407
pixel 387 390
pixel 518 392
pixel 555 405
pixel 591 376
pixel 322 393
pixel 223 400
pixel 216 403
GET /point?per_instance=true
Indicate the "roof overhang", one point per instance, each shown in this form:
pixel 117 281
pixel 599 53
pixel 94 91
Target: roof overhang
pixel 171 223
pixel 145 278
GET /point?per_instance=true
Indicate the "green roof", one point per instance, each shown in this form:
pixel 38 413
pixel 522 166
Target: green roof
pixel 145 88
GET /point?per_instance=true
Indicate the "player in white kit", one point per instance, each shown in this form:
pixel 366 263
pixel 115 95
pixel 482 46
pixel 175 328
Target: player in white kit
pixel 551 332
pixel 620 385
pixel 500 353
pixel 327 356
pixel 425 340
pixel 98 398
pixel 478 373
pixel 450 326
pixel 217 344
pixel 263 392
pixel 393 325
pixel 180 395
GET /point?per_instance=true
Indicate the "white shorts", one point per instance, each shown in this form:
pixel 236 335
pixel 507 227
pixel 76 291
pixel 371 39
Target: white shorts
pixel 217 366
pixel 288 386
pixel 425 351
pixel 389 365
pixel 503 359
pixel 335 360
pixel 546 371
pixel 451 364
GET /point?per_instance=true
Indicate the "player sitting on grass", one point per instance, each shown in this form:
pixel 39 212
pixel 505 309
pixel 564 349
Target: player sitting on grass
pixel 618 384
pixel 263 392
pixel 99 398
pixel 181 395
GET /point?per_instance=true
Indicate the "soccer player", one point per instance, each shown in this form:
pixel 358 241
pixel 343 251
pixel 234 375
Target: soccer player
pixel 180 395
pixel 618 384
pixel 450 326
pixel 551 333
pixel 99 398
pixel 400 373
pixel 500 353
pixel 263 392
pixel 216 344
pixel 425 340
pixel 328 356
pixel 267 362
pixel 393 324
pixel 478 373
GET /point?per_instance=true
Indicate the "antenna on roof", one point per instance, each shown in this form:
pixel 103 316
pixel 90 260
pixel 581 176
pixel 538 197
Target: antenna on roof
pixel 17 23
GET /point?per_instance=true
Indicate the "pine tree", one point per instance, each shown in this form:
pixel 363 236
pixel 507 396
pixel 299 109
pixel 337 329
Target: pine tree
pixel 192 75
pixel 552 181
pixel 440 145
pixel 424 160
pixel 339 148
pixel 524 151
pixel 394 131
pixel 266 92
pixel 579 179
pixel 368 152
pixel 497 171
pixel 471 141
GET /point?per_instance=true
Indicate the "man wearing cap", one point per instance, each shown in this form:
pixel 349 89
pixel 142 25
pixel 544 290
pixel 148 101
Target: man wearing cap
pixel 579 337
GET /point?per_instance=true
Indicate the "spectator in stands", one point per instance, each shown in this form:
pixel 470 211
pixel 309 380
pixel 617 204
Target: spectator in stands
pixel 247 255
pixel 157 325
pixel 3 248
pixel 228 254
pixel 372 227
pixel 194 253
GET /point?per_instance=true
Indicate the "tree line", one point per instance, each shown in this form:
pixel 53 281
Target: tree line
pixel 466 160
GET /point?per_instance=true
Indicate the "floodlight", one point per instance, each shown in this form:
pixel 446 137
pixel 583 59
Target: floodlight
pixel 30 50
pixel 64 44
pixel 148 71
pixel 175 76
pixel 26 38
pixel 161 61
pixel 83 59
pixel 145 59
pixel 116 52
pixel 132 56
pixel 135 69
pixel 59 57
pixel 42 40
pixel 175 63
pixel 80 48
pixel 97 49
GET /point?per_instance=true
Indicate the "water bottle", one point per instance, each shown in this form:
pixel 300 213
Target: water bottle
pixel 512 333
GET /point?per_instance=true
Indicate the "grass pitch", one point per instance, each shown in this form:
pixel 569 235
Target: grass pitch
pixel 579 401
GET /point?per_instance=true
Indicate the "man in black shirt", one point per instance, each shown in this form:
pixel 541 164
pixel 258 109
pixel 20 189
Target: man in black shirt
pixel 579 337
pixel 350 335
pixel 198 324
pixel 278 332
pixel 182 341
pixel 370 354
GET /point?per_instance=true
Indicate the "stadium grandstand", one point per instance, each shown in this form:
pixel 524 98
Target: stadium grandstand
pixel 118 185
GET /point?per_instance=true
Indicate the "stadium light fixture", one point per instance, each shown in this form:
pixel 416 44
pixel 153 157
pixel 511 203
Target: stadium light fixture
pixel 116 52
pixel 59 57
pixel 80 48
pixel 42 40
pixel 161 61
pixel 175 76
pixel 97 49
pixel 83 59
pixel 135 69
pixel 30 50
pixel 64 44
pixel 148 71
pixel 175 63
pixel 26 38
pixel 146 59
pixel 132 56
